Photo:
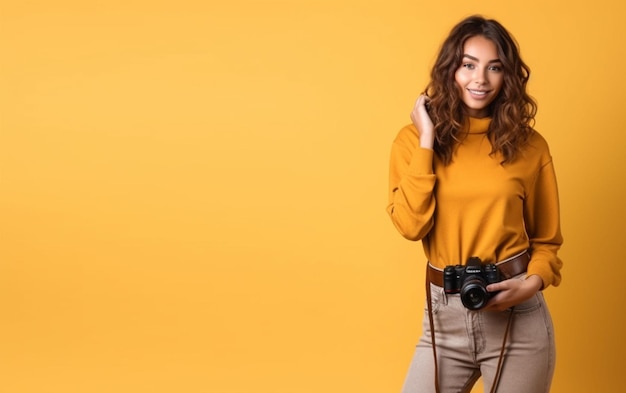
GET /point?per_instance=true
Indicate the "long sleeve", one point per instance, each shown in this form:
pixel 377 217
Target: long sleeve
pixel 411 184
pixel 542 220
pixel 477 206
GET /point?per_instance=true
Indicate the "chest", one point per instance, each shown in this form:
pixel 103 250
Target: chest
pixel 475 175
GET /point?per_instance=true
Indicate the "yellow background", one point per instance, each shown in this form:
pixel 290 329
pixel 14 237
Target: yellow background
pixel 192 194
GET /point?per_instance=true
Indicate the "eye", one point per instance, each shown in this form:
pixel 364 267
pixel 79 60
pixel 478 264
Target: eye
pixel 469 66
pixel 495 68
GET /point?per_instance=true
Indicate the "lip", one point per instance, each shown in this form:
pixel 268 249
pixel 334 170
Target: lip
pixel 478 94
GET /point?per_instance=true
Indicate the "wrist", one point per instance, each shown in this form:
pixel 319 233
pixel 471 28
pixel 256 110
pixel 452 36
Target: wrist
pixel 427 141
pixel 535 282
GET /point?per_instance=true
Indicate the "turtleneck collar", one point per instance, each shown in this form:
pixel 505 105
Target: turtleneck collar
pixel 477 125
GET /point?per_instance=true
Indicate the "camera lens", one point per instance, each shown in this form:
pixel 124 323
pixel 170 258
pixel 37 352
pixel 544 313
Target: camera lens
pixel 474 295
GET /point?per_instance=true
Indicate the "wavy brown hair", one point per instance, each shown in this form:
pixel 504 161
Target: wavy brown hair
pixel 512 111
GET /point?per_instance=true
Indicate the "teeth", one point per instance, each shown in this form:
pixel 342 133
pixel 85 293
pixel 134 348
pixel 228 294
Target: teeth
pixel 480 93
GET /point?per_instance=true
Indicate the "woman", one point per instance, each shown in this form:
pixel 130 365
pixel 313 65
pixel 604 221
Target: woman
pixel 471 179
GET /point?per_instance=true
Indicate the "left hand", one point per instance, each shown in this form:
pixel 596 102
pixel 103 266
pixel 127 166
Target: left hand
pixel 512 292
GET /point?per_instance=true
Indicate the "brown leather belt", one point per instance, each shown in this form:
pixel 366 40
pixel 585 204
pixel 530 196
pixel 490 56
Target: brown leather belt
pixel 508 268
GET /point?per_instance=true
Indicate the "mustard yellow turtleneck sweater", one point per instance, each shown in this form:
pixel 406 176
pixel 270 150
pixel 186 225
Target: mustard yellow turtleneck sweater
pixel 476 206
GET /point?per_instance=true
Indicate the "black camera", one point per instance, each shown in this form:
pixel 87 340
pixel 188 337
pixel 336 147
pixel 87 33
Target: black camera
pixel 471 281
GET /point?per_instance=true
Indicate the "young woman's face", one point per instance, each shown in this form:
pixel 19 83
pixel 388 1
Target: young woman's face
pixel 480 75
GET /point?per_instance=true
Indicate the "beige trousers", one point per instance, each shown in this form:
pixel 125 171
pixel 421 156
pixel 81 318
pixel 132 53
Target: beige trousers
pixel 469 345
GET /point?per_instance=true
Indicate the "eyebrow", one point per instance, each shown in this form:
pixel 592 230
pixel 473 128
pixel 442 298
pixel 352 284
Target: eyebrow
pixel 476 59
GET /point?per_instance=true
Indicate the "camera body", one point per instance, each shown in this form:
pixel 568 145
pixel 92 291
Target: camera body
pixel 471 281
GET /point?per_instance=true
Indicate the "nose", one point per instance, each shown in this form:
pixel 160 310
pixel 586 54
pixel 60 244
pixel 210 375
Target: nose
pixel 480 77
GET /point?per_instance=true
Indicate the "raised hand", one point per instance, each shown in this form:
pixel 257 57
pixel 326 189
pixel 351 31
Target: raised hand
pixel 423 123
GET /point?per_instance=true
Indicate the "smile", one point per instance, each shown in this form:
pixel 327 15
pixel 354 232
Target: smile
pixel 478 92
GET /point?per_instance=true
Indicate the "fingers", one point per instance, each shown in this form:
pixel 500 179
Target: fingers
pixel 509 293
pixel 499 302
pixel 499 286
pixel 422 100
pixel 423 123
pixel 419 110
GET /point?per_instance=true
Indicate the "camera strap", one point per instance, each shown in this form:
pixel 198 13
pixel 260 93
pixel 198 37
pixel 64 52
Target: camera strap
pixel 496 379
pixel 431 321
pixel 432 329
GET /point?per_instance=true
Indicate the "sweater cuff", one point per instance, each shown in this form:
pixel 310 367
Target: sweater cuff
pixel 545 274
pixel 421 162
